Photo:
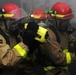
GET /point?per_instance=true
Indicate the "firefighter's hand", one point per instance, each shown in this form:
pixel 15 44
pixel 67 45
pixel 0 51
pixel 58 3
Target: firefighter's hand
pixel 32 32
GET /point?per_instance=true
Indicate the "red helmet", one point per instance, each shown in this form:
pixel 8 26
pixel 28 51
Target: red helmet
pixel 11 8
pixel 64 11
pixel 39 14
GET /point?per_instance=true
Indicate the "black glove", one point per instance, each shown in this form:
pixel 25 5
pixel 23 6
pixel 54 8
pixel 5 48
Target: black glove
pixel 30 33
pixel 33 32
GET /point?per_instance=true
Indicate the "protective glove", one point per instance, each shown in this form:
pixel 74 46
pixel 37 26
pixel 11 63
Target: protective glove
pixel 33 32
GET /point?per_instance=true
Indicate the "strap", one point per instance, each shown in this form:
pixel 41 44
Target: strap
pixel 5 36
pixel 56 33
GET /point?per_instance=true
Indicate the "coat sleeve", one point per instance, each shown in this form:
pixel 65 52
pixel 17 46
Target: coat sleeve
pixel 10 57
pixel 54 52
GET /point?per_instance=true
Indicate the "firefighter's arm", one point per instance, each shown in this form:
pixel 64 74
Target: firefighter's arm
pixel 55 54
pixel 10 57
pixel 13 56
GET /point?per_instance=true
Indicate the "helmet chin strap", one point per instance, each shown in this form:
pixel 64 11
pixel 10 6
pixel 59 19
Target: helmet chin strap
pixel 2 11
pixel 56 21
pixel 4 22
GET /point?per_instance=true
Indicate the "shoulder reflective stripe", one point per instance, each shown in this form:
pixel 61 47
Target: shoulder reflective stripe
pixel 68 57
pixel 49 68
pixel 25 26
pixel 21 51
pixel 45 69
pixel 65 51
pixel 65 67
pixel 52 67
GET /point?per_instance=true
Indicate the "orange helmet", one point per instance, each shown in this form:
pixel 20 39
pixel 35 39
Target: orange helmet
pixel 11 10
pixel 64 11
pixel 38 14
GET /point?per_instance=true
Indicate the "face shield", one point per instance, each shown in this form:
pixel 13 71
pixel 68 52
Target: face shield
pixel 42 22
pixel 41 18
pixel 17 15
pixel 17 21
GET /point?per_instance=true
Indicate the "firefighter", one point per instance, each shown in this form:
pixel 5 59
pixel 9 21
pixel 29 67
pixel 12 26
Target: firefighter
pixel 40 17
pixel 54 55
pixel 28 66
pixel 15 44
pixel 9 47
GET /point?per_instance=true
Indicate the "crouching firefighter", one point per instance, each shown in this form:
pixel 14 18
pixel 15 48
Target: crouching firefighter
pixel 54 55
pixel 16 44
pixel 33 35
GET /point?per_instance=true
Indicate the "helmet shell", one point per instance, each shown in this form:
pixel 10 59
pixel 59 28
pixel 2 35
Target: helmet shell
pixel 63 9
pixel 39 14
pixel 11 8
